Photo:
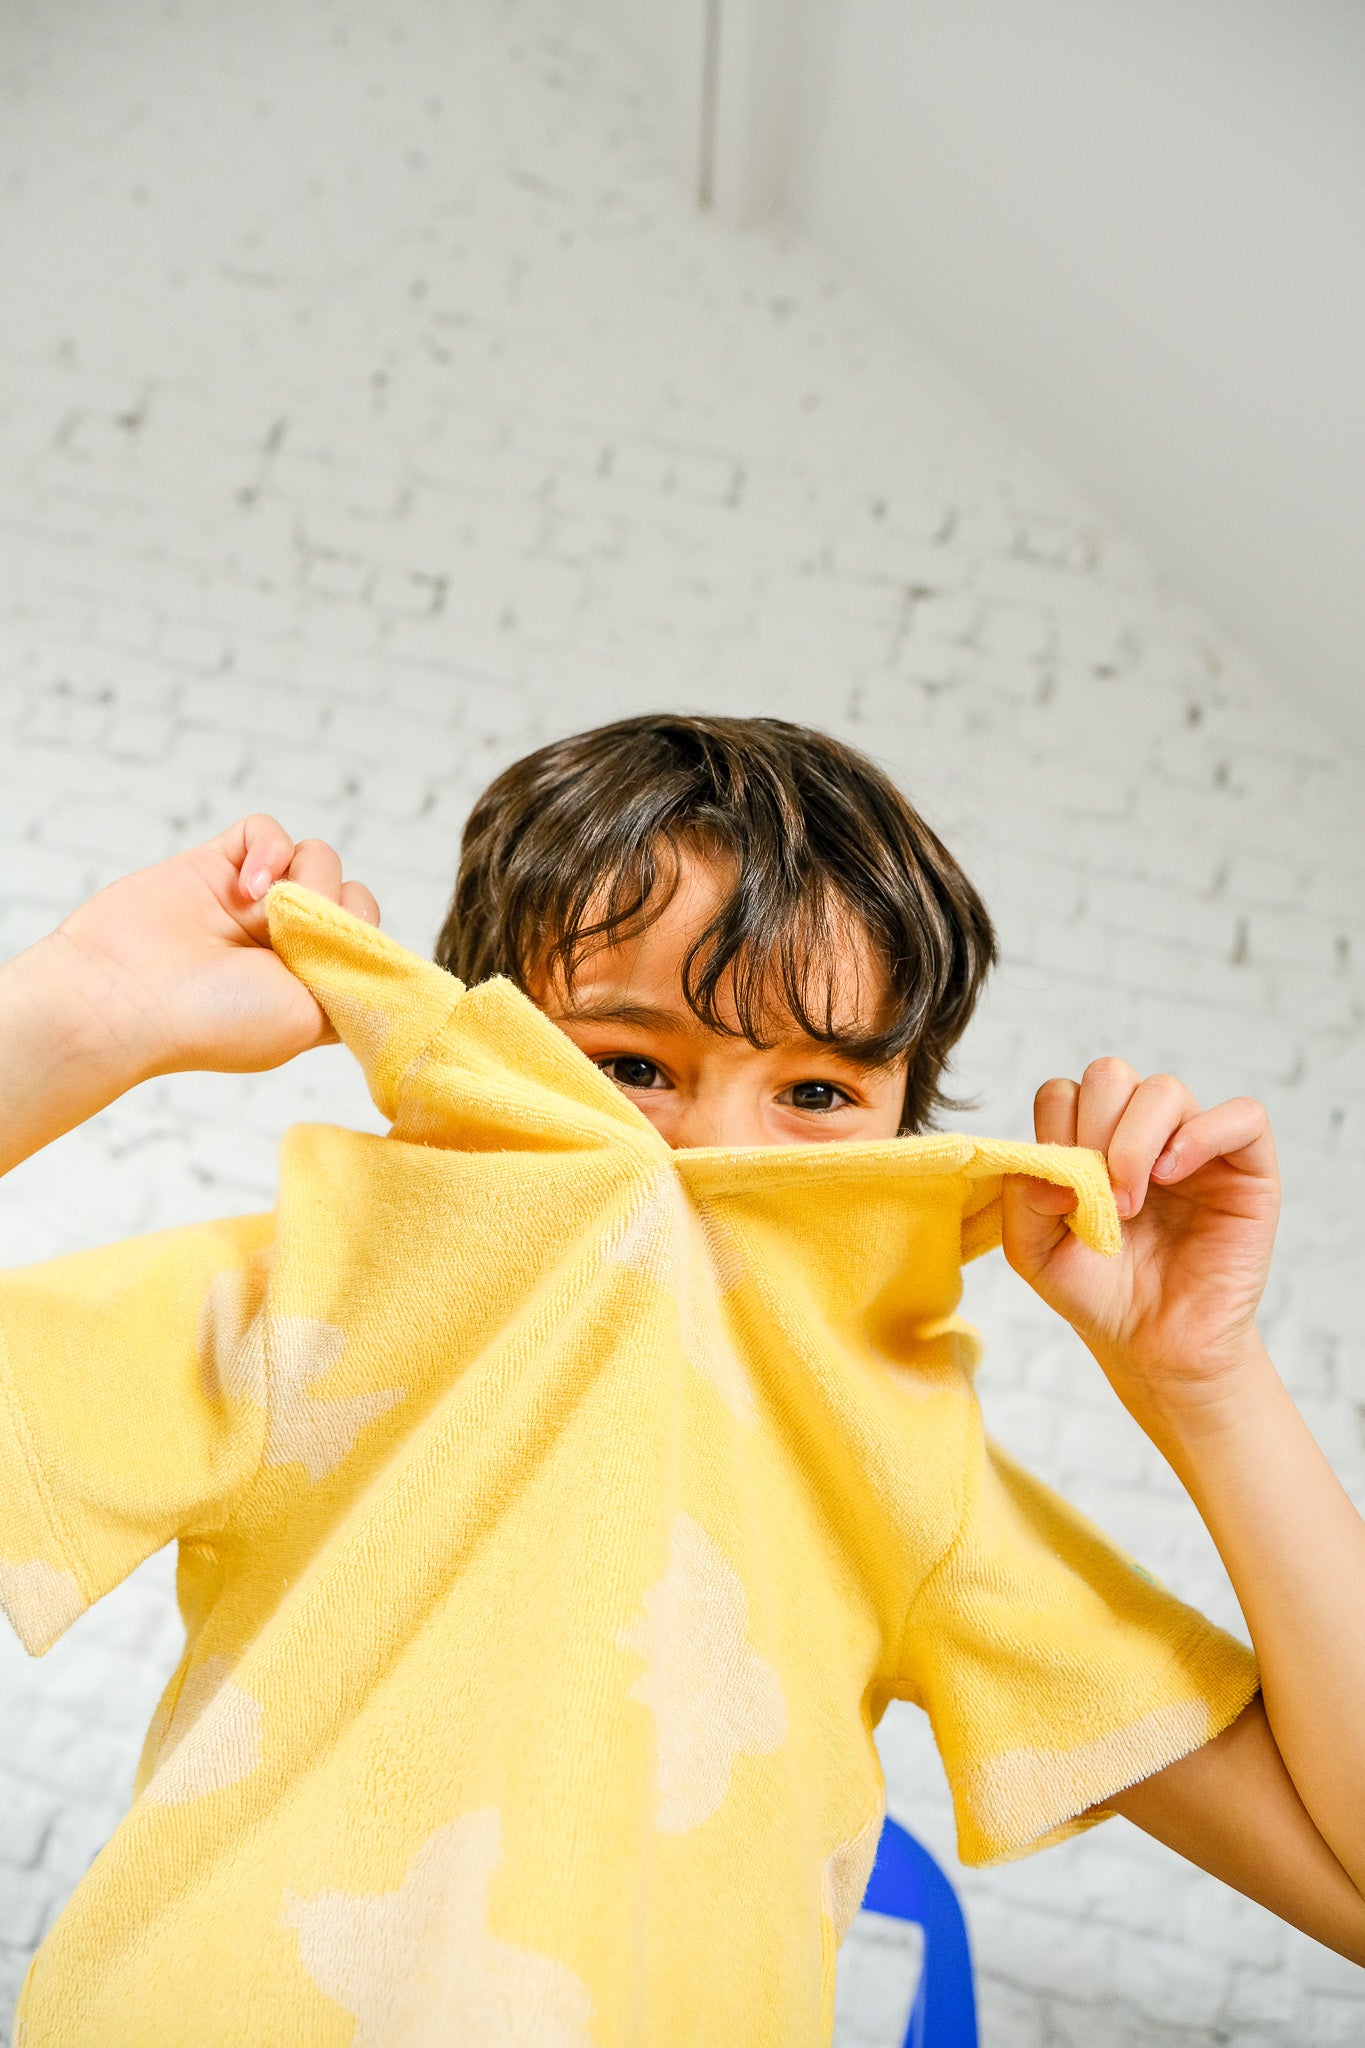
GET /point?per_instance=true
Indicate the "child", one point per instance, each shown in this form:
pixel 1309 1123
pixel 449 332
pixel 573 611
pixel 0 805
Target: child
pixel 565 1482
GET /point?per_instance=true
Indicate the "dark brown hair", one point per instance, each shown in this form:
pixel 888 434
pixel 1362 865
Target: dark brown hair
pixel 817 838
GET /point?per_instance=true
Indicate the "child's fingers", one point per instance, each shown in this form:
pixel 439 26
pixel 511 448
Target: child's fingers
pixel 317 866
pixel 356 898
pixel 269 850
pixel 1043 1197
pixel 1107 1088
pixel 1157 1109
pixel 1032 1221
pixel 260 849
pixel 1054 1112
pixel 1238 1131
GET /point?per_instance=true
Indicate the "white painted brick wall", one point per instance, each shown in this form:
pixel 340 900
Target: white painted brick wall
pixel 371 409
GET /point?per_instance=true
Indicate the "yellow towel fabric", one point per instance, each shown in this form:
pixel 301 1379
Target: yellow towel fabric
pixel 557 1514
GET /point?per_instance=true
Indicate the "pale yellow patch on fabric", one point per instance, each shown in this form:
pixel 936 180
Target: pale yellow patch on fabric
pixel 425 1116
pixel 200 1683
pixel 694 1260
pixel 1023 1793
pixel 316 1430
pixel 727 1261
pixel 646 1239
pixel 420 1968
pixel 213 1738
pixel 359 1023
pixel 273 1360
pixel 40 1599
pixel 713 1697
pixel 225 1315
pixel 847 1869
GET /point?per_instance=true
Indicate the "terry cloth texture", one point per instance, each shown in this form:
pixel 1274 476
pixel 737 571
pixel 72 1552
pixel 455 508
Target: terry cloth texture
pixel 557 1514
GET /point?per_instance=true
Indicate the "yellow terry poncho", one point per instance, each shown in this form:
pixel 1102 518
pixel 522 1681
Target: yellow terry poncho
pixel 557 1514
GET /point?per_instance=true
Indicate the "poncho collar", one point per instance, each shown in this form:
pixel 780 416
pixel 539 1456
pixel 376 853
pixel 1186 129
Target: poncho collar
pixel 483 1069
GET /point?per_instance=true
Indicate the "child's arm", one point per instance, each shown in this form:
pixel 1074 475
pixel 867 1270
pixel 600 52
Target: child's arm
pixel 166 969
pixel 1275 1806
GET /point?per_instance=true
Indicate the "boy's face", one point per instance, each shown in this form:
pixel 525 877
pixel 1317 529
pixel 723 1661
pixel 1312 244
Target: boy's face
pixel 627 1012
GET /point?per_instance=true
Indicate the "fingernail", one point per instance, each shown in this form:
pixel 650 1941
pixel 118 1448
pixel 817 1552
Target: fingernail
pixel 1165 1165
pixel 257 882
pixel 1123 1201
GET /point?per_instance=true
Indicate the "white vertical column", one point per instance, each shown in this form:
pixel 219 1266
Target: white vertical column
pixel 749 79
pixel 725 74
pixel 690 46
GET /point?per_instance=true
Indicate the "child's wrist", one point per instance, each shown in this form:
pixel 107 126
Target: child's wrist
pixel 89 1018
pixel 1189 1407
pixel 68 1047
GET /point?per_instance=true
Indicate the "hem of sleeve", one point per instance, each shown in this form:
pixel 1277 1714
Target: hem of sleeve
pixel 41 1598
pixel 1010 1805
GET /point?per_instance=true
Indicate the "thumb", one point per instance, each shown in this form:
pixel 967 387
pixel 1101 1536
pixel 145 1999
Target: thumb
pixel 1034 1216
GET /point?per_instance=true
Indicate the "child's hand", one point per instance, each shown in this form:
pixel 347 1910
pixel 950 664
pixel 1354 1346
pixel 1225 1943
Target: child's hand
pixel 1173 1316
pixel 174 965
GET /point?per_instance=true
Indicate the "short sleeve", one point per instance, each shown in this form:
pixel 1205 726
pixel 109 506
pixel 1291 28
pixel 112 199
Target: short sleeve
pixel 118 1427
pixel 1055 1672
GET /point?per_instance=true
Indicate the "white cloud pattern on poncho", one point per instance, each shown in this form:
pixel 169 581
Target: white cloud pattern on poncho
pixel 274 1360
pixel 40 1599
pixel 847 1870
pixel 692 1256
pixel 713 1697
pixel 419 1967
pixel 213 1738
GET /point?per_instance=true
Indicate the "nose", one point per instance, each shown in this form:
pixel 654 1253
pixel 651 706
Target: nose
pixel 717 1115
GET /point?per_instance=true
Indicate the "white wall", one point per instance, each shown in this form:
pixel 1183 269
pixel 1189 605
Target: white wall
pixel 373 408
pixel 674 47
pixel 1138 226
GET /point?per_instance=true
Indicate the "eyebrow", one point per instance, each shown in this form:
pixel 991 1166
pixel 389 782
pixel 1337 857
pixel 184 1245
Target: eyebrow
pixel 647 1016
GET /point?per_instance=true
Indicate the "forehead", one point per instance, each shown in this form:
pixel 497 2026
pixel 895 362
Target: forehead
pixel 643 969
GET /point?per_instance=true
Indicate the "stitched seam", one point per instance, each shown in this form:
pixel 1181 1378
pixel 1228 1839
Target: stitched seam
pixel 420 1058
pixel 56 1521
pixel 944 1555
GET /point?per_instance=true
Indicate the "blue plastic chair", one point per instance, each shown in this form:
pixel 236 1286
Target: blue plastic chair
pixel 907 1884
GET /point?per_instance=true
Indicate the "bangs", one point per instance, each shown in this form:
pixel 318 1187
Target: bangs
pixel 774 955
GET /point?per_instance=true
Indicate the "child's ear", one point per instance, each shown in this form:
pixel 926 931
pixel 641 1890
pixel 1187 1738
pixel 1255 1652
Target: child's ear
pixel 385 1003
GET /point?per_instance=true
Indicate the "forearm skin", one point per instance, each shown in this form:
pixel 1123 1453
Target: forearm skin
pixel 1294 1547
pixel 69 1045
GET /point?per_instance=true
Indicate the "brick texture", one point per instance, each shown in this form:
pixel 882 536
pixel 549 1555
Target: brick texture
pixel 371 409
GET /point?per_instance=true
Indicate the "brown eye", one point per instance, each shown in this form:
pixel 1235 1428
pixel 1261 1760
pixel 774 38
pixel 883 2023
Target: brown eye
pixel 628 1070
pixel 816 1095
